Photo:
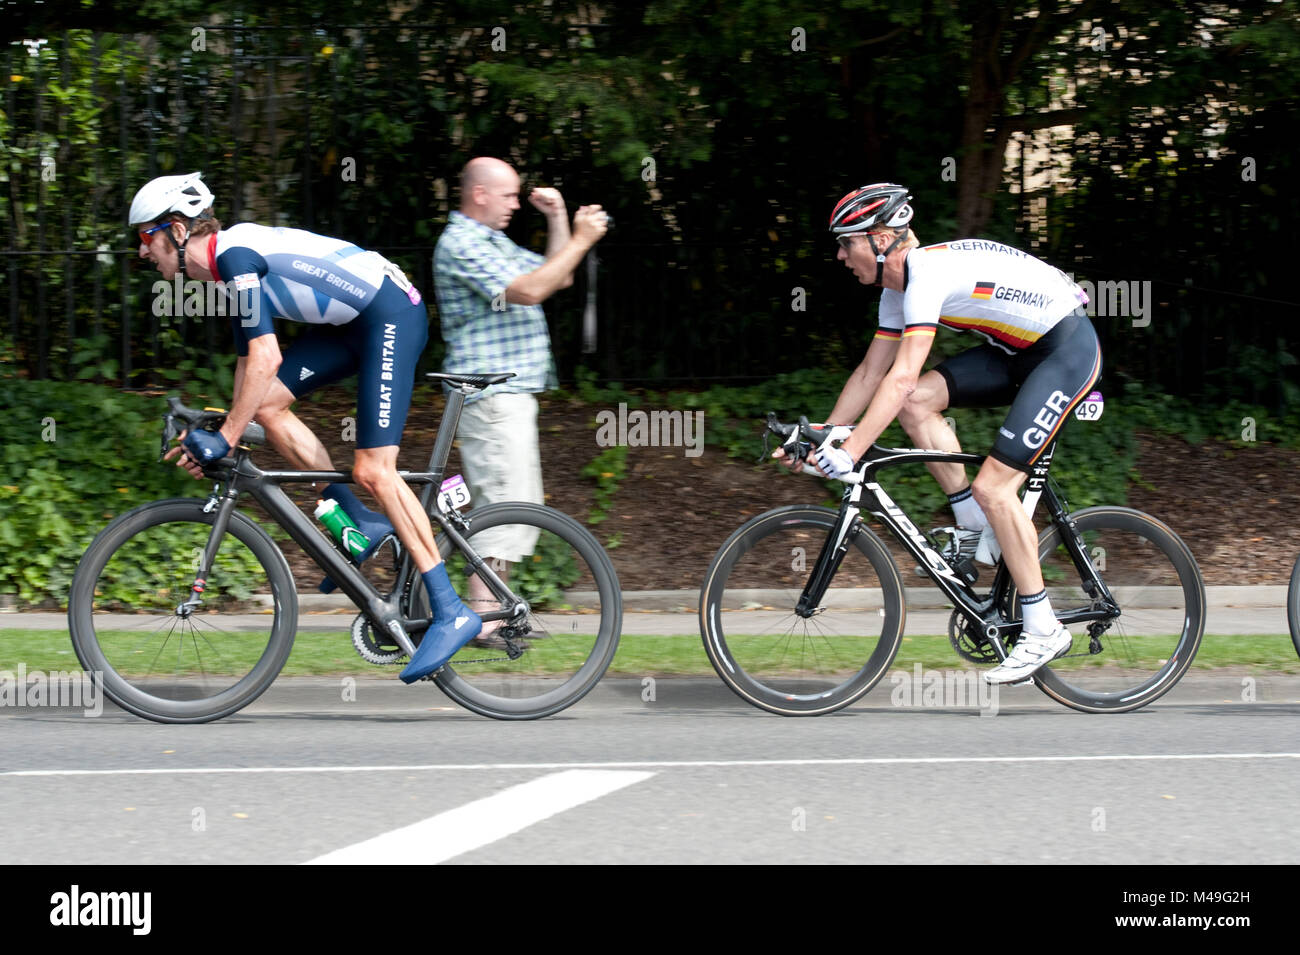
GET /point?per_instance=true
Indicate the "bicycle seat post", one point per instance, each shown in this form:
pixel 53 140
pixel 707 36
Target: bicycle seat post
pixel 447 427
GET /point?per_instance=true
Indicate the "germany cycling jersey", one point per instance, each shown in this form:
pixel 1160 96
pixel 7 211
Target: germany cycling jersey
pixel 1001 293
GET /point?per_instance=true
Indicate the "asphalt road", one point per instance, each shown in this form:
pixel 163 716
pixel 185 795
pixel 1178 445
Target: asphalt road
pixel 674 771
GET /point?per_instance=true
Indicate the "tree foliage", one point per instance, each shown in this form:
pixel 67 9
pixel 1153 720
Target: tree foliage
pixel 1123 140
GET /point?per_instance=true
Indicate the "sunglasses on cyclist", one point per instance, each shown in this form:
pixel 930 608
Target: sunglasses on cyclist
pixel 146 235
pixel 846 241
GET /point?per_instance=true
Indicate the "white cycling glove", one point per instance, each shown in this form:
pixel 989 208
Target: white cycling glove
pixel 835 462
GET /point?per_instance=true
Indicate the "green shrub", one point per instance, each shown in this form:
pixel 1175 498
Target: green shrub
pixel 607 469
pixel 72 457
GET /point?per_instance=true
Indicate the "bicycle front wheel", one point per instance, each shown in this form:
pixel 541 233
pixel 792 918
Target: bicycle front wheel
pixel 1293 606
pixel 1138 654
pixel 158 661
pixel 785 662
pixel 568 638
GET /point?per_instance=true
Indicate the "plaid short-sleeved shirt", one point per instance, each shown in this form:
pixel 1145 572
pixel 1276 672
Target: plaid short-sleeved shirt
pixel 472 265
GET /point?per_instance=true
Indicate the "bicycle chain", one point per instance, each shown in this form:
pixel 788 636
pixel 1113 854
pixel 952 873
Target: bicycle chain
pixel 373 652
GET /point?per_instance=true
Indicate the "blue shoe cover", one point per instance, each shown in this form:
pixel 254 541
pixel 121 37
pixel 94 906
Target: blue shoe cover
pixel 440 643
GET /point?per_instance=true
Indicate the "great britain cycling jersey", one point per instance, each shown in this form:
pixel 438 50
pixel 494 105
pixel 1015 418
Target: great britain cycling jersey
pixel 298 275
pixel 366 318
pixel 1042 356
pixel 1001 293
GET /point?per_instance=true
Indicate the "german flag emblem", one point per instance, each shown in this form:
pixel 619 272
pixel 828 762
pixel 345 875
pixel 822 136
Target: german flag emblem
pixel 983 290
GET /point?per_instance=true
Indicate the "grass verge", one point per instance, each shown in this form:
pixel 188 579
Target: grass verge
pixel 323 653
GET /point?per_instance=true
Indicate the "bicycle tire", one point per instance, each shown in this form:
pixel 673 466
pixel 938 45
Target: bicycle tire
pixel 141 567
pixel 574 621
pixel 1293 606
pixel 772 657
pixel 1154 579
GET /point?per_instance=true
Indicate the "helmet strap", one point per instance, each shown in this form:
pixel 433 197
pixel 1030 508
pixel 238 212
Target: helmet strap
pixel 180 248
pixel 881 256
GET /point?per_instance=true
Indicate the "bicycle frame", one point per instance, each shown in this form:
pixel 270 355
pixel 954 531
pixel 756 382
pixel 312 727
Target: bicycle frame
pixel 265 487
pixel 984 612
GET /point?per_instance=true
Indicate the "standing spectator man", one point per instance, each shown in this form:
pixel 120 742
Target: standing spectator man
pixel 489 298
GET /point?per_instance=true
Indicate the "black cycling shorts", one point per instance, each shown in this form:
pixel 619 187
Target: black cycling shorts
pixel 1042 384
pixel 381 346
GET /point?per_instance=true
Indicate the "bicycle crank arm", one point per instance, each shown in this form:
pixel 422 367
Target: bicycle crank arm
pixel 401 637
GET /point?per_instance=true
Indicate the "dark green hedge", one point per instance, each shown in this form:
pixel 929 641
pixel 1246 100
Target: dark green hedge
pixel 72 457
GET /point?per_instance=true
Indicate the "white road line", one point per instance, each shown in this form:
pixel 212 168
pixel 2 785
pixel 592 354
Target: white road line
pixel 644 764
pixel 478 823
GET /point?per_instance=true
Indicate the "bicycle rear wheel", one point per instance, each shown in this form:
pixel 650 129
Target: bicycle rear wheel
pixel 783 662
pixel 1293 606
pixel 122 613
pixel 1139 653
pixel 569 635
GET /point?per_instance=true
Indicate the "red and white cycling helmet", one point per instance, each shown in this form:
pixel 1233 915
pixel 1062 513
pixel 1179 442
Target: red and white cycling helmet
pixel 881 204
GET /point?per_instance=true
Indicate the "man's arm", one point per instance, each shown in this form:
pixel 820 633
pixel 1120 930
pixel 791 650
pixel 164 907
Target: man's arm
pixel 865 380
pixel 535 287
pixel 253 376
pixel 550 203
pixel 889 397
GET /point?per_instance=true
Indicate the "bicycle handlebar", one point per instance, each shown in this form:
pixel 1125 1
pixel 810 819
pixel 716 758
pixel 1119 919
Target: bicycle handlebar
pixel 798 440
pixel 180 418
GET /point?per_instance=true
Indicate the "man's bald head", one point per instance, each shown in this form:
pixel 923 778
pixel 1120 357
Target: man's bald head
pixel 489 191
pixel 484 170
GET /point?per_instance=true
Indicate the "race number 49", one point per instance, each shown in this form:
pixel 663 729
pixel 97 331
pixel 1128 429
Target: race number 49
pixel 1089 409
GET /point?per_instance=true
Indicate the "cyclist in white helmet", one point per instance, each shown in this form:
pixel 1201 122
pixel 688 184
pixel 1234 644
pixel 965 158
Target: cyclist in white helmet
pixel 1041 357
pixel 364 317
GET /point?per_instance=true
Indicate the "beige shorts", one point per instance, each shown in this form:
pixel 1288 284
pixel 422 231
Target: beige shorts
pixel 502 462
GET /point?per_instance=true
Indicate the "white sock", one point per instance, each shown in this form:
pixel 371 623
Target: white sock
pixel 1038 614
pixel 967 511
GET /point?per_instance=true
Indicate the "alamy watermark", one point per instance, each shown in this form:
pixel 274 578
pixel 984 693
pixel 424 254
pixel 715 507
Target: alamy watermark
pixel 74 689
pixel 651 429
pixel 952 689
pixel 208 299
pixel 1122 299
pixel 78 907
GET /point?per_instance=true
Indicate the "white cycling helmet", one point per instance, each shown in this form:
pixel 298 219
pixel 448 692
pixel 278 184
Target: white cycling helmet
pixel 157 197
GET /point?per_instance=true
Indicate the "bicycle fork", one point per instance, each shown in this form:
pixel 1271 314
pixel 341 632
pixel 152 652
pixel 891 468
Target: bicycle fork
pixel 842 534
pixel 223 504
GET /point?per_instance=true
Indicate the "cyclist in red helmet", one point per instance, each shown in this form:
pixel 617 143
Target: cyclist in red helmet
pixel 1041 357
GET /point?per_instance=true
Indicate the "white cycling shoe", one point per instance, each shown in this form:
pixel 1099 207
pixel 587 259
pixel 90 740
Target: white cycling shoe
pixel 1031 651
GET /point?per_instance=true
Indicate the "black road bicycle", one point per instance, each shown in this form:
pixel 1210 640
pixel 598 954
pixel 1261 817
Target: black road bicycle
pixel 187 610
pixel 802 609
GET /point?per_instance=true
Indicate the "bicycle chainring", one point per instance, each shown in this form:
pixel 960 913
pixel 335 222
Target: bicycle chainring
pixel 371 650
pixel 969 643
